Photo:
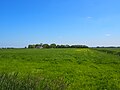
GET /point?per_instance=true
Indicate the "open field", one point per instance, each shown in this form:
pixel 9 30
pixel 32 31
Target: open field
pixel 115 51
pixel 59 69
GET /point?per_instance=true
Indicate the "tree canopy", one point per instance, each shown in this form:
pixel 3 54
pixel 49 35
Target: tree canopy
pixel 56 46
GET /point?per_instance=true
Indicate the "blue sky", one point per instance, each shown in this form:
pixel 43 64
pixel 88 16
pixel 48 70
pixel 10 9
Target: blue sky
pixel 89 22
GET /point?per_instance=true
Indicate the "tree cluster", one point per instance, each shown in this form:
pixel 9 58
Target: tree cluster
pixel 107 47
pixel 56 46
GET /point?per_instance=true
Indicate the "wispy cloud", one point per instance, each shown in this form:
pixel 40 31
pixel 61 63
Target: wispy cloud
pixel 89 17
pixel 107 35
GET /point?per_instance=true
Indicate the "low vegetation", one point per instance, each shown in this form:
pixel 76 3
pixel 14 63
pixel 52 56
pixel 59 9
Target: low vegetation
pixel 13 82
pixel 115 51
pixel 59 69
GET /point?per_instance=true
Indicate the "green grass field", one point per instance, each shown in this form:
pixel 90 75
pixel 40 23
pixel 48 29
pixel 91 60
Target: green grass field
pixel 115 51
pixel 59 69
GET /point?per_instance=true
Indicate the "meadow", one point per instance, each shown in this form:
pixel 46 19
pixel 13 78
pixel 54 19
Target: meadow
pixel 59 69
pixel 115 51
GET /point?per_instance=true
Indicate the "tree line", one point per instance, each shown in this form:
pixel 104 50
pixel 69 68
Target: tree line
pixel 56 46
pixel 107 47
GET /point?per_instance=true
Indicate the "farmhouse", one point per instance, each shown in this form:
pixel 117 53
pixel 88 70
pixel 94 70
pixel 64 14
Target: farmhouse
pixel 39 47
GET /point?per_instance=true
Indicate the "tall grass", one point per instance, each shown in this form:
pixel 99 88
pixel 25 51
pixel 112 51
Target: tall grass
pixel 14 82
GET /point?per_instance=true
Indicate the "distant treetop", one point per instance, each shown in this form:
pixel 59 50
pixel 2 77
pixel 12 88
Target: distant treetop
pixel 56 46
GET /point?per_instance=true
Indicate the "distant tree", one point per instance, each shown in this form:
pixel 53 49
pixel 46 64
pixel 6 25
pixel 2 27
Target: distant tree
pixel 53 45
pixel 67 46
pixel 97 47
pixel 37 45
pixel 79 46
pixel 63 46
pixel 45 46
pixel 58 46
pixel 41 44
pixel 31 46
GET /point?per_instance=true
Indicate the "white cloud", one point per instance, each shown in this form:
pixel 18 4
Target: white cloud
pixel 107 35
pixel 89 17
